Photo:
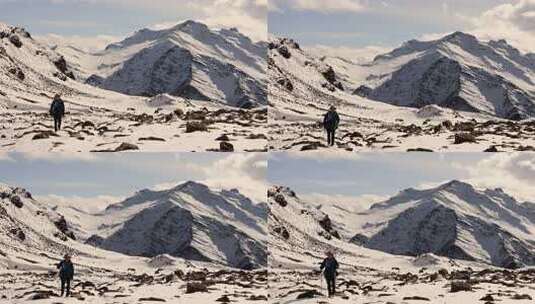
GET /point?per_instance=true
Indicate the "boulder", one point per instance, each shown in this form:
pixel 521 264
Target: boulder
pixel 193 287
pixel 457 286
pixel 281 200
pixel 283 50
pixel 461 138
pixel 126 147
pixel 196 126
pixel 17 72
pixel 15 39
pixel 225 146
pixel 15 200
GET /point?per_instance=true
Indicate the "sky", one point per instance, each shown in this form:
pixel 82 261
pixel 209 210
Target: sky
pixel 97 22
pixel 349 27
pixel 100 179
pixel 368 178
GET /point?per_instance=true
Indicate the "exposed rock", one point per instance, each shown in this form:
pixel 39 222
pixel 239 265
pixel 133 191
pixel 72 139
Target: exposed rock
pixel 17 72
pixel 225 146
pixel 193 287
pixel 461 138
pixel 126 147
pixel 363 91
pixel 223 299
pixel 281 200
pixel 196 126
pixel 282 231
pixel 42 295
pixel 457 286
pixel 308 294
pixel 416 298
pixel 62 226
pixel 283 50
pixel 18 233
pixel 15 40
pixel 522 297
pixel 15 200
pixel 285 83
pixel 151 299
pixel 223 137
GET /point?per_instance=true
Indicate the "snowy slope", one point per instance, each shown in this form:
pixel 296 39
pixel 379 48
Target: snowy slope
pixel 188 60
pixel 298 241
pixel 28 226
pixel 303 85
pixel 34 236
pixel 189 221
pixel 457 71
pixel 102 120
pixel 454 220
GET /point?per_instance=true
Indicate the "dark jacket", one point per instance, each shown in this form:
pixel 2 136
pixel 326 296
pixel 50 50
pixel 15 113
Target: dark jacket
pixel 331 121
pixel 329 267
pixel 66 270
pixel 57 108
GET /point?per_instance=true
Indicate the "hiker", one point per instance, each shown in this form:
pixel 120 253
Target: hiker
pixel 66 274
pixel 57 110
pixel 330 267
pixel 330 123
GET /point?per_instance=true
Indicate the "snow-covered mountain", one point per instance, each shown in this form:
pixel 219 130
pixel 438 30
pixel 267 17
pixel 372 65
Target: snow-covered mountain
pixel 27 226
pixel 301 231
pixel 35 235
pixel 457 71
pixel 454 220
pixel 190 221
pixel 27 66
pixel 188 60
pixel 419 97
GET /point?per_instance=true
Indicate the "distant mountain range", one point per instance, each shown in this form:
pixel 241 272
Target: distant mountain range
pixel 188 60
pixel 454 220
pixel 457 71
pixel 189 221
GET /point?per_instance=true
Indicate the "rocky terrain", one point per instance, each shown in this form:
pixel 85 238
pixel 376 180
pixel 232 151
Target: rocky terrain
pixel 301 231
pixel 230 116
pixel 171 285
pixel 192 127
pixel 35 236
pixel 427 117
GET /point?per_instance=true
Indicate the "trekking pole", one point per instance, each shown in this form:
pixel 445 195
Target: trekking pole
pixel 321 281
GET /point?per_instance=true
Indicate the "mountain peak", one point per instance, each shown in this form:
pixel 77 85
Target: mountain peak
pixel 457 185
pixel 191 184
pixel 460 38
pixel 190 26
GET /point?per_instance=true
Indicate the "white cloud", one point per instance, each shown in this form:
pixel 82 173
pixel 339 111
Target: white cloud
pixel 249 16
pixel 514 173
pixel 318 156
pixel 86 204
pixel 85 43
pixel 243 171
pixel 514 22
pixel 320 6
pixel 348 202
pixel 357 55
pixel 56 157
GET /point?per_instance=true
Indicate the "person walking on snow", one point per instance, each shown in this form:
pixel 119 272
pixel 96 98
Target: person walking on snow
pixel 330 123
pixel 66 274
pixel 330 267
pixel 57 110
